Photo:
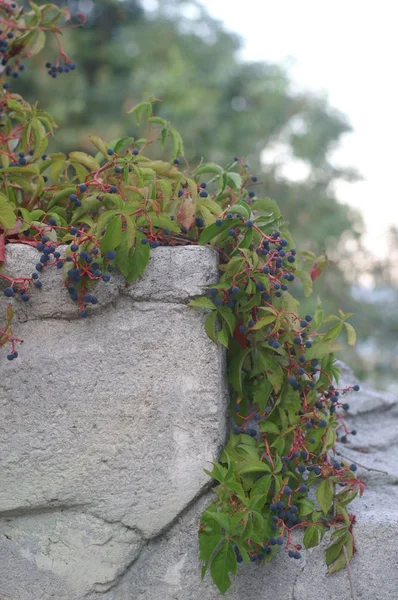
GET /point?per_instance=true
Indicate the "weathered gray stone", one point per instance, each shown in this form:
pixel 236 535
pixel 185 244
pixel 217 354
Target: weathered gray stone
pixel 53 300
pixel 63 554
pixel 121 411
pixel 176 276
pixel 173 275
pixel 367 399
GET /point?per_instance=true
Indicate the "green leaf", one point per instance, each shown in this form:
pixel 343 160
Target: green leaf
pixel 203 302
pixel 208 168
pixel 240 209
pixel 253 466
pixel 122 143
pixel 235 369
pixel 213 230
pixel 234 180
pixel 321 349
pixel 84 159
pixel 139 109
pixel 334 550
pixel 140 259
pixel 207 545
pixel 311 537
pixel 223 563
pixel 220 517
pixel 264 321
pixel 306 281
pixel 210 326
pixel 333 332
pixel 352 336
pixel 266 205
pixel 227 316
pixel 99 144
pixel 269 427
pixel 306 507
pixel 7 215
pixel 262 392
pixel 113 234
pixel 36 44
pixel 223 337
pixel 324 495
pixel 272 370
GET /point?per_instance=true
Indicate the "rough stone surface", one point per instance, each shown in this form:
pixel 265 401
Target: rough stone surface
pixel 76 552
pixel 107 424
pixel 173 275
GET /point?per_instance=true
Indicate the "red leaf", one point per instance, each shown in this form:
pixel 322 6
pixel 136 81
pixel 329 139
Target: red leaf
pixel 2 250
pixel 240 336
pixel 315 271
pixel 82 17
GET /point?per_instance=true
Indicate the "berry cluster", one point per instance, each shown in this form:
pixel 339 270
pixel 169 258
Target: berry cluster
pixel 57 69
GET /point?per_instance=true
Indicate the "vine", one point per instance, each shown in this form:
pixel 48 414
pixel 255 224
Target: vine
pixel 277 473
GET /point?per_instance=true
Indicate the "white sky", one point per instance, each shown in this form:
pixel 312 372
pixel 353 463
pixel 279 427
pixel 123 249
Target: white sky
pixel 348 49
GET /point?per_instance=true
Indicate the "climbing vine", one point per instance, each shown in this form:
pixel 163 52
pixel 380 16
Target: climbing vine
pixel 89 214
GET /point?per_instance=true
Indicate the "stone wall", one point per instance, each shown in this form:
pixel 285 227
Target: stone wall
pixel 107 424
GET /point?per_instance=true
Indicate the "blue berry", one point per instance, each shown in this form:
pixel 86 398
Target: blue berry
pixel 37 284
pixel 251 431
pixel 73 198
pixel 243 329
pixel 113 189
pixel 82 187
pixel 249 223
pixel 287 490
pixel 231 233
pixel 110 151
pixel 106 277
pixel 199 222
pixel 353 467
pixel 356 388
pixel 83 314
pixel 74 247
pixel 229 216
pixel 60 264
pixel 25 297
pixel 297 340
pixel 9 292
pixel 303 323
pixel 203 194
pixel 219 222
pixel 252 194
pixel 235 289
pixel 291 259
pixel 118 169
